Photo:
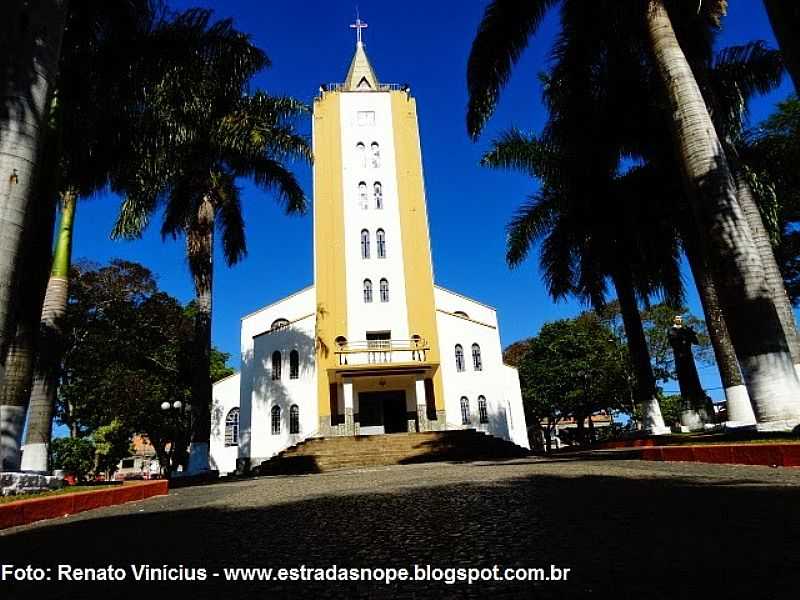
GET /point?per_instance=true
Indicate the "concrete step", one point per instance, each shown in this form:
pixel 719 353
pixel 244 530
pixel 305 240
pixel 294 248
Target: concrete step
pixel 349 452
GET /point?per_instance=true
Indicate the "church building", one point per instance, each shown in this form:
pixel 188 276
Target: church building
pixel 374 346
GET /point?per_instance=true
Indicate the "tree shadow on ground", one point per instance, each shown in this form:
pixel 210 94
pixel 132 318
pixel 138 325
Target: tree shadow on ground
pixel 632 536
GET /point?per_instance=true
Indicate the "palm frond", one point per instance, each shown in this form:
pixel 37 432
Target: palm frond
pixel 229 219
pixel 503 34
pixel 522 152
pixel 272 176
pixel 529 224
pixel 133 219
pixel 737 74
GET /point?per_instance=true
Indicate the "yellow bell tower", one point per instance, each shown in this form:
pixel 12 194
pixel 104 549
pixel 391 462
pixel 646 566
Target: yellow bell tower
pixel 376 320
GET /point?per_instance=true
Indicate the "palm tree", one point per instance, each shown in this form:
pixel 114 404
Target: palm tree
pixel 784 15
pixel 30 43
pixel 737 267
pixel 101 41
pixel 586 240
pixel 200 133
pixel 753 321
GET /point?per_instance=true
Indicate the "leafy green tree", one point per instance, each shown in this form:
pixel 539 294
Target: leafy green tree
pixel 112 443
pixel 74 455
pixel 573 368
pixel 119 307
pixel 671 407
pixel 201 131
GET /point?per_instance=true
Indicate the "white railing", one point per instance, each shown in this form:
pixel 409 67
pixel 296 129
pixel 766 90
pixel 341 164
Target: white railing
pixel 382 87
pixel 377 352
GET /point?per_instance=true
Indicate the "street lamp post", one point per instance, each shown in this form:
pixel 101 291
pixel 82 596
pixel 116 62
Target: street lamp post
pixel 168 407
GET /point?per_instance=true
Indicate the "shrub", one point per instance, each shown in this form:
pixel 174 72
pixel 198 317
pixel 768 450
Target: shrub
pixel 73 455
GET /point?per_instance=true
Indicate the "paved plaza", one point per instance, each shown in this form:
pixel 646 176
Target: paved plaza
pixel 631 528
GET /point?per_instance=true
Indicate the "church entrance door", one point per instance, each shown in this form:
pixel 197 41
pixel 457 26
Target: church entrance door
pixel 387 409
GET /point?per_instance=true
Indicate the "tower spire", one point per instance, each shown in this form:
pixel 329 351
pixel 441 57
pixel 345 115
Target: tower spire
pixel 360 76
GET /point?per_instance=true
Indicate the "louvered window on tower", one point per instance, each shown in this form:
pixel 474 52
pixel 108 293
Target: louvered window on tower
pixel 367 291
pixel 361 153
pixel 376 155
pixel 364 243
pixel 362 196
pixel 380 240
pixel 384 290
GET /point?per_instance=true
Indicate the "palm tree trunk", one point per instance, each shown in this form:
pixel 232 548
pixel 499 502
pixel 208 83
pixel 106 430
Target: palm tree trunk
pixel 784 15
pixel 45 382
pixel 200 250
pixel 30 44
pixel 15 389
pixel 771 270
pixel 645 388
pixel 736 266
pixel 736 398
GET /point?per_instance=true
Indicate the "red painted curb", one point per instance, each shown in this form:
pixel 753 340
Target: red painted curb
pixel 643 443
pixel 786 455
pixel 23 512
pixel 791 456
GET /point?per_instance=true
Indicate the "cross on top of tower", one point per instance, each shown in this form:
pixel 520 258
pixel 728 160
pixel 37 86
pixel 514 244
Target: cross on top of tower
pixel 358 26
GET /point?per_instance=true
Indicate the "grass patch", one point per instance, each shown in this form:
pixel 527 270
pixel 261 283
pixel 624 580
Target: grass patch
pixel 70 489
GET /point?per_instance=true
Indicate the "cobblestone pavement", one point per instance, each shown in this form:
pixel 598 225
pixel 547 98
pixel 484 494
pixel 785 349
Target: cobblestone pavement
pixel 629 528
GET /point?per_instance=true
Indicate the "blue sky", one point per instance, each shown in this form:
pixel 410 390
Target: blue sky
pixel 425 44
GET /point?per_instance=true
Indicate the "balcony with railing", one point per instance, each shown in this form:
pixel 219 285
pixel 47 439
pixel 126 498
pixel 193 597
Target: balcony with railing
pixel 382 352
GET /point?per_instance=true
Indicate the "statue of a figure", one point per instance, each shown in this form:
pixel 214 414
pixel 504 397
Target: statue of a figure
pixel 697 408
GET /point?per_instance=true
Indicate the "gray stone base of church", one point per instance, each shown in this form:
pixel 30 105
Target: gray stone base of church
pixel 351 427
pixel 427 425
pixel 15 483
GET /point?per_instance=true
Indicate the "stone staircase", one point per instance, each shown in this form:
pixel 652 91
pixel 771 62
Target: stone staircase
pixel 319 455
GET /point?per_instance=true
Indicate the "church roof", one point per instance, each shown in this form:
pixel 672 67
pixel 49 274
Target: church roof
pixel 360 77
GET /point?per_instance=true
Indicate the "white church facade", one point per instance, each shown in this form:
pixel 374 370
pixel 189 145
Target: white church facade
pixel 373 347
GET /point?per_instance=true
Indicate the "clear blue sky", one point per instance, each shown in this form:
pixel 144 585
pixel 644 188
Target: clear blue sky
pixel 425 44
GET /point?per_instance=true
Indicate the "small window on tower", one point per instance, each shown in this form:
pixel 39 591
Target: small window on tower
pixel 376 155
pixel 362 195
pixel 378 189
pixel 366 117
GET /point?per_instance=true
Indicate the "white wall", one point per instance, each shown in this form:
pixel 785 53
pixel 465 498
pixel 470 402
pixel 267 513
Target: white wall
pixel 495 382
pixel 259 392
pixel 376 316
pixel 225 396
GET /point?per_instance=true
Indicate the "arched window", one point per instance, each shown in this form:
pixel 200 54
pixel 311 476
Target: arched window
pixel 361 152
pixel 276 365
pixel 232 427
pixel 276 420
pixel 380 240
pixel 378 192
pixel 464 410
pixel 294 419
pixel 364 243
pixel 279 324
pixel 376 155
pixel 384 290
pixel 459 358
pixel 294 364
pixel 477 363
pixel 367 291
pixel 462 314
pixel 362 195
pixel 483 414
